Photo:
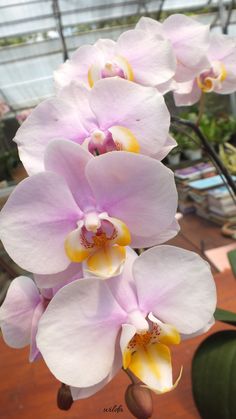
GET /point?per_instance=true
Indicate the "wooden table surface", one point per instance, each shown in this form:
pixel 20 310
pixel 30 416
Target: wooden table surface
pixel 29 391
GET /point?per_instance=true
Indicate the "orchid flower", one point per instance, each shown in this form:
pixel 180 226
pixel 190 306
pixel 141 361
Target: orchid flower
pixel 88 209
pixel 115 115
pixel 91 328
pixel 219 76
pixel 189 39
pixel 21 310
pixel 136 56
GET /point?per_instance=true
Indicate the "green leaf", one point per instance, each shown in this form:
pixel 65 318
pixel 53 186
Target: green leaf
pixel 225 316
pixel 214 376
pixel 232 259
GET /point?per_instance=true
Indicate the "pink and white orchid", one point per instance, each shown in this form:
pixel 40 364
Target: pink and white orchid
pixel 91 325
pixel 219 76
pixel 137 56
pixel 88 209
pixel 21 310
pixel 189 39
pixel 114 115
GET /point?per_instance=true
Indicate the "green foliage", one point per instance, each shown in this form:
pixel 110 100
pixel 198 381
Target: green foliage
pixel 228 156
pixel 218 130
pixel 225 316
pixel 232 260
pixel 213 376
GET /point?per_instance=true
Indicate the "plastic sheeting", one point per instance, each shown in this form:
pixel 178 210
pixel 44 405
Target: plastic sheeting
pixel 26 69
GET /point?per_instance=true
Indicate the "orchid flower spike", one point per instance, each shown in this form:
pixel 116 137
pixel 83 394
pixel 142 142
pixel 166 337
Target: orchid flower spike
pixel 91 328
pixel 115 115
pixel 88 209
pixel 137 56
pixel 219 76
pixel 189 40
pixel 21 310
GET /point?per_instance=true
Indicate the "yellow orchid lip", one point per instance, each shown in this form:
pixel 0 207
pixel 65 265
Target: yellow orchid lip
pixel 148 357
pixel 100 242
pixel 118 66
pixel 124 139
pixel 214 77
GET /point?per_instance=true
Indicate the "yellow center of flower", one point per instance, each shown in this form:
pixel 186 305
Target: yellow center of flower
pixel 119 66
pixel 148 356
pixel 100 242
pixel 213 78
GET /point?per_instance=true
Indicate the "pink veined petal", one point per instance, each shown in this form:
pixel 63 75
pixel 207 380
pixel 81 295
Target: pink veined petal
pixel 82 393
pixel 167 147
pixel 76 68
pixel 151 26
pixel 69 160
pixel 222 48
pixel 35 222
pixel 34 352
pixel 107 47
pixel 82 321
pixel 17 310
pixel 200 331
pixel 190 40
pixel 152 59
pixel 56 281
pixel 123 286
pixel 138 190
pixel 143 111
pixel 66 116
pixel 187 93
pixel 179 288
pixel 167 234
pixel 167 87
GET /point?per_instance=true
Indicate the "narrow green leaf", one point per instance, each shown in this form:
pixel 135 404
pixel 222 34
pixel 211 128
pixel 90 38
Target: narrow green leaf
pixel 225 316
pixel 232 259
pixel 214 376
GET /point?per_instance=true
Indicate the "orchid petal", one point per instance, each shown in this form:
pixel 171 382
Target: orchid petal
pixel 178 287
pixel 123 286
pixel 190 40
pixel 34 352
pixel 134 182
pixel 170 143
pixel 77 333
pixel 143 112
pixel 35 222
pixel 76 69
pixel 69 160
pixel 168 234
pixel 187 93
pixel 17 310
pixel 67 116
pixel 82 393
pixel 56 281
pixel 152 59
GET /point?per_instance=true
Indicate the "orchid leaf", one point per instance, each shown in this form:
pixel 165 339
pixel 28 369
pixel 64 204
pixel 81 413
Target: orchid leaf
pixel 213 376
pixel 232 260
pixel 225 316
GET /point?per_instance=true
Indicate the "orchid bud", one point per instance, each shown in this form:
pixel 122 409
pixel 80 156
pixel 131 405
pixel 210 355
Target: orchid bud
pixel 139 401
pixel 64 397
